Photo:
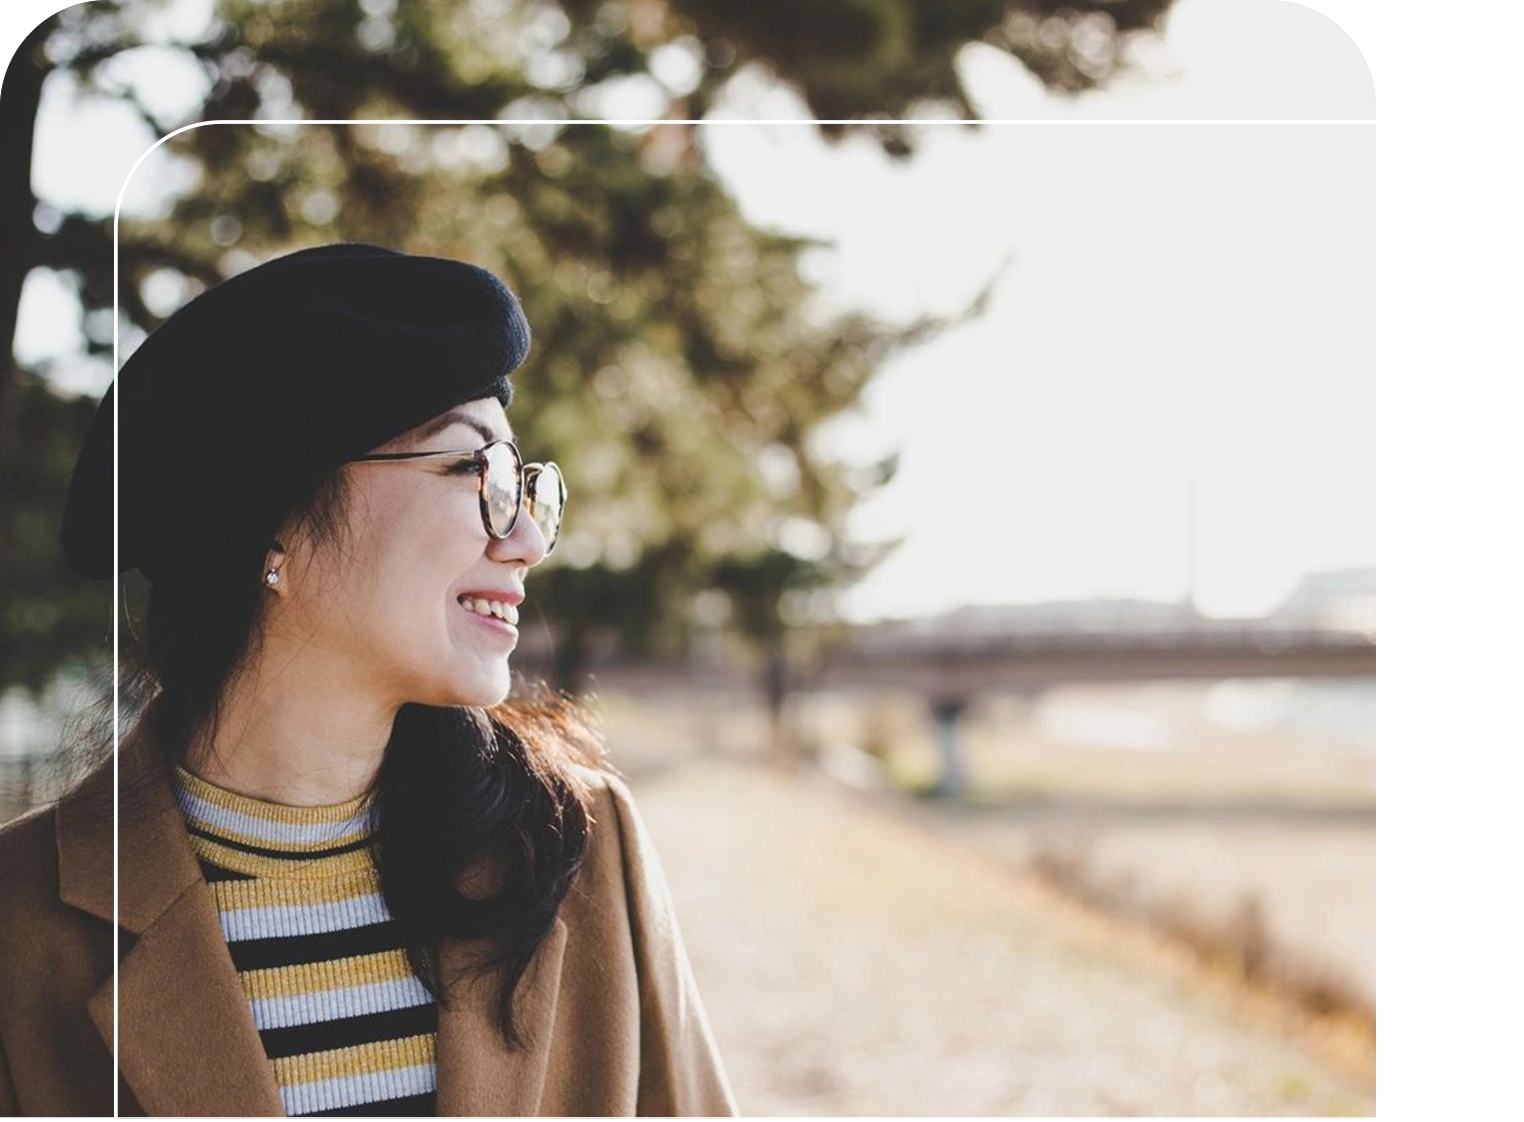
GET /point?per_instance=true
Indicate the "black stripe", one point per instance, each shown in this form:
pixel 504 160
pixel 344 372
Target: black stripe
pixel 320 946
pixel 287 854
pixel 391 1024
pixel 413 1106
pixel 214 873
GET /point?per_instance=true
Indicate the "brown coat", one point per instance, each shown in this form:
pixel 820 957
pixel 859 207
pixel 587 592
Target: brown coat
pixel 608 1003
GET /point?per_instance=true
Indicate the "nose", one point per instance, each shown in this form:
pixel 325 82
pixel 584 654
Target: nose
pixel 525 544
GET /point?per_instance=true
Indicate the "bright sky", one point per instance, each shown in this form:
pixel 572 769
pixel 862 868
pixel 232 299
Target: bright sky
pixel 1180 302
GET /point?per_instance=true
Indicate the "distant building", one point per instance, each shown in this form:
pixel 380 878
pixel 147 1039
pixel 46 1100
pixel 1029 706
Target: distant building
pixel 1110 616
pixel 1336 600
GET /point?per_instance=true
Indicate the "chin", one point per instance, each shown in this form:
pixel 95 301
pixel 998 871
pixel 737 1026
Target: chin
pixel 482 690
pixel 489 693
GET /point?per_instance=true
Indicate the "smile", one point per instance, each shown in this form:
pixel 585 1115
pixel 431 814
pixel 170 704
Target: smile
pixel 494 609
pixel 495 616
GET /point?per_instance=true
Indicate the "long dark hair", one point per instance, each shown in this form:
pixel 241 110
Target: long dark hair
pixel 456 784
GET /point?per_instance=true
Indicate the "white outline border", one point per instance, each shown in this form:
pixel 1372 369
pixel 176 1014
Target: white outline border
pixel 1482 145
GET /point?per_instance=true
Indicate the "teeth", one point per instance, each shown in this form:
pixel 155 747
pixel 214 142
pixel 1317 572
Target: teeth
pixel 508 613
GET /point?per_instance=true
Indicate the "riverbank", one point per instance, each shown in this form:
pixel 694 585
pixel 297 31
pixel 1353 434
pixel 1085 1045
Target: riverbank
pixel 854 962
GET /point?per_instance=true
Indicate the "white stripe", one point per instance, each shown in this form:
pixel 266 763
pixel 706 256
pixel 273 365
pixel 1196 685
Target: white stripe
pixel 350 1090
pixel 302 919
pixel 288 833
pixel 332 1005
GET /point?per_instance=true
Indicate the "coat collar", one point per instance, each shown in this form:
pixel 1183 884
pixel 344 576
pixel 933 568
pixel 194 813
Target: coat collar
pixel 188 1041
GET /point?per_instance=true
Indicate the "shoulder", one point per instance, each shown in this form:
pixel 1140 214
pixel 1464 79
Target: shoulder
pixel 605 786
pixel 52 849
pixel 610 806
pixel 614 817
pixel 19 830
pixel 28 857
pixel 36 846
pixel 621 859
pixel 29 901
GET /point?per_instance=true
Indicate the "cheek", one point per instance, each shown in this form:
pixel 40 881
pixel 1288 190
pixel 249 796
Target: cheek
pixel 410 518
pixel 420 563
pixel 414 540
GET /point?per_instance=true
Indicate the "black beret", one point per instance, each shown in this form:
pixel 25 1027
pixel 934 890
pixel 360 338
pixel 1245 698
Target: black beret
pixel 240 402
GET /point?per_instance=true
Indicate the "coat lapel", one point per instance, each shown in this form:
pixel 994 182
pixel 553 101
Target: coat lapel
pixel 188 1041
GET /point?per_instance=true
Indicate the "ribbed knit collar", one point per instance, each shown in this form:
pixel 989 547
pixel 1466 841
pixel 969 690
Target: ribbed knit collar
pixel 265 838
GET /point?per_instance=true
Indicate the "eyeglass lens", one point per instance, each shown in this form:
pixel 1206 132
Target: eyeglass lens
pixel 505 483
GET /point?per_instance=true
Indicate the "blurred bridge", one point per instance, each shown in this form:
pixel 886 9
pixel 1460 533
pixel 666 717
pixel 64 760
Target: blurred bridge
pixel 947 665
pixel 951 666
pixel 943 664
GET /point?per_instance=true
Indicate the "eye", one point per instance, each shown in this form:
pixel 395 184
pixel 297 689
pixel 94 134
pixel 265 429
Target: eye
pixel 465 467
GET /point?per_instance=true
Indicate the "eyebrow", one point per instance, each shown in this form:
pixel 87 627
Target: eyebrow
pixel 459 417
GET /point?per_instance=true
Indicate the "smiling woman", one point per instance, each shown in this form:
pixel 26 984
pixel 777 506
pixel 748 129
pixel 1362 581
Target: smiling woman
pixel 356 877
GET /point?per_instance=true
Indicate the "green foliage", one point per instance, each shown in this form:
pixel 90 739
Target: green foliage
pixel 681 369
pixel 44 621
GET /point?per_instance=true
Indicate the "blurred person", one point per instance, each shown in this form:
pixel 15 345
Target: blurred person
pixel 355 877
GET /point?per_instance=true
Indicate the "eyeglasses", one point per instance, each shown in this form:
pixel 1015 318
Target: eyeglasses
pixel 507 483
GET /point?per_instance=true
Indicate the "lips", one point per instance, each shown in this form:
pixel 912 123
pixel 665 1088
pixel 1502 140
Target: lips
pixel 507 633
pixel 507 595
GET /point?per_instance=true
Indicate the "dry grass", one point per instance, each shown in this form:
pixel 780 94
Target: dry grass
pixel 856 962
pixel 1313 1000
pixel 1238 863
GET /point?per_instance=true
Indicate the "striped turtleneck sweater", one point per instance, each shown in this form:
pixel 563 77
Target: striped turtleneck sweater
pixel 347 1027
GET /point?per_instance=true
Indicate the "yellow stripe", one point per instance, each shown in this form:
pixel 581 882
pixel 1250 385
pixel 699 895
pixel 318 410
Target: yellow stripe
pixel 338 864
pixel 231 895
pixel 357 1059
pixel 270 812
pixel 338 973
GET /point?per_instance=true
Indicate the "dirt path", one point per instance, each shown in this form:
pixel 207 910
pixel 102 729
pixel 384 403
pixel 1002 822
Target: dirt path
pixel 854 964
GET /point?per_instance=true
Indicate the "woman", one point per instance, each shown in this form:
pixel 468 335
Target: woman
pixel 353 878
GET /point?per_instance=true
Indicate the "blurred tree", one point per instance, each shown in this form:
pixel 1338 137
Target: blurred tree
pixel 681 366
pixel 45 621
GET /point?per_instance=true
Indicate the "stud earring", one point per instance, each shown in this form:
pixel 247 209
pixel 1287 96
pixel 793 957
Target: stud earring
pixel 272 578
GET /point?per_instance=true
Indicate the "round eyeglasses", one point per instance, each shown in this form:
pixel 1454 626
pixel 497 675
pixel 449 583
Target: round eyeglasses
pixel 507 484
